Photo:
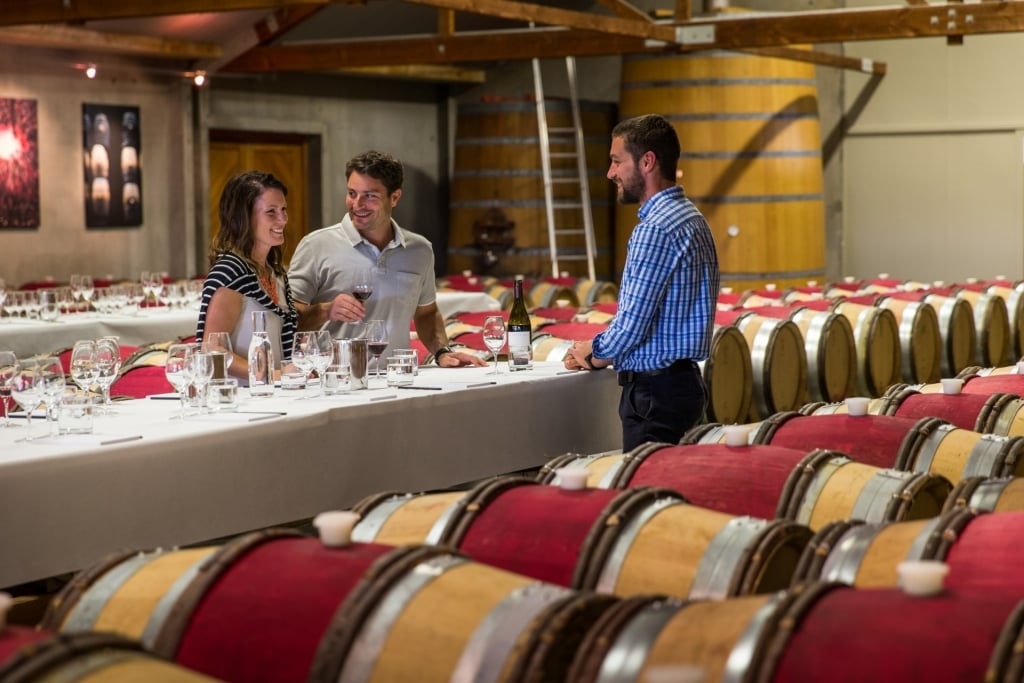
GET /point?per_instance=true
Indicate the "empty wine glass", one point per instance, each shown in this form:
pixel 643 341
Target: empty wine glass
pixel 201 372
pixel 83 364
pixel 27 389
pixel 324 356
pixel 52 373
pixel 178 371
pixel 304 351
pixel 218 345
pixel 494 334
pixel 8 368
pixel 108 364
pixel 376 333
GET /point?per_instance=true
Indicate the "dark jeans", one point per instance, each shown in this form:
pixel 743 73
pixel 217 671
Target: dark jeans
pixel 661 408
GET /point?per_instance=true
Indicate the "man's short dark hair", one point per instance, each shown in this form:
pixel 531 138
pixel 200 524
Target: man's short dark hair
pixel 379 166
pixel 651 133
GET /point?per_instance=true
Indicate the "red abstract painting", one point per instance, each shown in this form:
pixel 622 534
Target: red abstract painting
pixel 19 164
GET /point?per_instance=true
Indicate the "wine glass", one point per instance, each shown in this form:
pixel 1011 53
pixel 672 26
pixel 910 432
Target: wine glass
pixel 108 364
pixel 8 368
pixel 27 389
pixel 325 355
pixel 83 364
pixel 376 333
pixel 178 370
pixel 52 373
pixel 304 351
pixel 218 345
pixel 494 334
pixel 201 372
pixel 362 286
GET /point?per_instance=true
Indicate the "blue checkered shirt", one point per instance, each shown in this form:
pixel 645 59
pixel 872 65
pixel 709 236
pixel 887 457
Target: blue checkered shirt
pixel 669 288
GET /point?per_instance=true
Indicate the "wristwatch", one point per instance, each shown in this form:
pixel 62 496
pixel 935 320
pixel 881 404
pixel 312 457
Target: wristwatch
pixel 440 352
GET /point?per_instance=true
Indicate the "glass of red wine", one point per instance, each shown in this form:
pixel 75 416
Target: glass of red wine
pixel 362 288
pixel 376 333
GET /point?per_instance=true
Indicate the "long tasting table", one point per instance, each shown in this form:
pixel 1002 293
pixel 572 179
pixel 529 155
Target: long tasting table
pixel 65 503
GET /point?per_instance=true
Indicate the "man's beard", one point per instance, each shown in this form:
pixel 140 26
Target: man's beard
pixel 630 192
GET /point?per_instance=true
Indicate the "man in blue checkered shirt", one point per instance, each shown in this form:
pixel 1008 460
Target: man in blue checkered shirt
pixel 666 310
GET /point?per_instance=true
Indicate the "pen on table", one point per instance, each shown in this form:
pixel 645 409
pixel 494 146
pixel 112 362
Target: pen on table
pixel 423 388
pixel 567 372
pixel 479 384
pixel 381 398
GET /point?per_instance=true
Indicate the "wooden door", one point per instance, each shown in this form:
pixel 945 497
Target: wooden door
pixel 287 161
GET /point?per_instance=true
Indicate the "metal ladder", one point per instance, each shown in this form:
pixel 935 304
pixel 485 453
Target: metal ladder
pixel 584 224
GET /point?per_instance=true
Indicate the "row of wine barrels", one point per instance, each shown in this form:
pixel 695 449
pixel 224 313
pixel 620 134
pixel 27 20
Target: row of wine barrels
pixel 811 488
pixel 277 606
pixel 926 444
pixel 977 547
pixel 32 655
pixel 642 540
pixel 995 413
pixel 818 631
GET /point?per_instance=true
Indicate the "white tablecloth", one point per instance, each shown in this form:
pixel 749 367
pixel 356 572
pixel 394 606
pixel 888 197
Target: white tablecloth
pixel 65 505
pixel 30 337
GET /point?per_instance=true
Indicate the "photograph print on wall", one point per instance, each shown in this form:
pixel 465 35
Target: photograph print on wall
pixel 19 163
pixel 111 138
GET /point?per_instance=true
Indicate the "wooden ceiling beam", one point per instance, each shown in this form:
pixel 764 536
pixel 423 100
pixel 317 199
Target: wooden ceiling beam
pixel 552 16
pixel 868 66
pixel 16 12
pixel 262 32
pixel 626 10
pixel 69 37
pixel 460 48
pixel 835 26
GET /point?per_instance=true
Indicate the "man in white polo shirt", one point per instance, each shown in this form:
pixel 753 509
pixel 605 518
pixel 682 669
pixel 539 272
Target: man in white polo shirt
pixel 325 265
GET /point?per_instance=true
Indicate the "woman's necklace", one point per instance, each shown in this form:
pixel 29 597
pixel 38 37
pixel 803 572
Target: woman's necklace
pixel 269 283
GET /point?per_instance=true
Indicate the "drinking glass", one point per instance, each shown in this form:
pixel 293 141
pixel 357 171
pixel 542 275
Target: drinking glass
pixel 8 368
pixel 49 310
pixel 494 334
pixel 201 372
pixel 178 371
pixel 108 364
pixel 27 389
pixel 304 351
pixel 377 340
pixel 324 356
pixel 88 289
pixel 218 345
pixel 83 364
pixel 363 284
pixel 52 373
pixel 3 298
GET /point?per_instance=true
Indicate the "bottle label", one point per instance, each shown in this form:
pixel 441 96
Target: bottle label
pixel 520 350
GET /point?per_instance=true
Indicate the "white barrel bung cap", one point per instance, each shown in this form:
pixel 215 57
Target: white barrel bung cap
pixel 857 406
pixel 467 273
pixel 812 283
pixel 572 478
pixel 562 303
pixel 736 435
pixel 849 279
pixel 972 280
pixel 6 601
pixel 518 276
pixel 770 286
pixel 952 385
pixel 883 276
pixel 939 283
pixel 564 273
pixel 335 527
pixel 726 290
pixel 922 577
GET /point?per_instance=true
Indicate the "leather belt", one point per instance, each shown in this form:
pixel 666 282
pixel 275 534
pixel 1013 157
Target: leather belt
pixel 628 376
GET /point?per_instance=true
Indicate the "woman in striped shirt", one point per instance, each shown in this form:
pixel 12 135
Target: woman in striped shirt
pixel 246 272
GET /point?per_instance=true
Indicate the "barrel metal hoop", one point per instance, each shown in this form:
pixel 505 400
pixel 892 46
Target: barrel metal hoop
pixel 987 493
pixel 918 548
pixel 815 351
pixel 374 519
pixel 987 456
pixel 930 448
pixel 1007 415
pixel 716 571
pixel 795 488
pixel 844 560
pixel 49 659
pixel 489 647
pixel 879 500
pixel 628 654
pixel 367 645
pixel 823 472
pixel 915 441
pixel 612 564
pixel 85 612
pixel 627 467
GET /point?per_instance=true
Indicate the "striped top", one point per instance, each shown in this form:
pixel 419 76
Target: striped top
pixel 666 307
pixel 232 272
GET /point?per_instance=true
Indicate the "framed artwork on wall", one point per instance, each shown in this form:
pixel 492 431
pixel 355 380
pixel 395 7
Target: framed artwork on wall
pixel 19 164
pixel 111 146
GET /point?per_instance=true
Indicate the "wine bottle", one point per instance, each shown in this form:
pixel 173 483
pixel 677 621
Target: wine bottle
pixel 520 332
pixel 261 357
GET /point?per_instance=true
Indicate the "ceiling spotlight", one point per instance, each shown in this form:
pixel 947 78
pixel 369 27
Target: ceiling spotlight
pixel 199 78
pixel 90 71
